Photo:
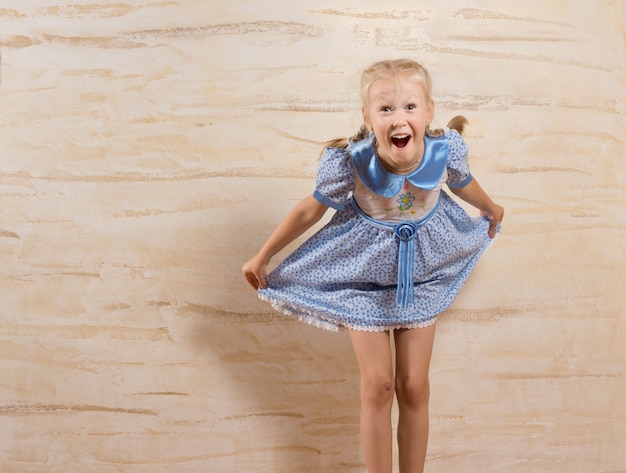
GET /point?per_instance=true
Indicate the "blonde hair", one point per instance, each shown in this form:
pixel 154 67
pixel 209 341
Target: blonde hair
pixel 408 68
pixel 394 67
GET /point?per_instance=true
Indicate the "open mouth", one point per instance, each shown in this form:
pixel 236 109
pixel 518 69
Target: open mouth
pixel 400 141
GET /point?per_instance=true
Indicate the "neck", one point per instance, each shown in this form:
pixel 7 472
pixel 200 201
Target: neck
pixel 412 167
pixel 394 169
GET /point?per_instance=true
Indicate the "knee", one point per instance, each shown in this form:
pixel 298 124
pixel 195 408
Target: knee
pixel 377 391
pixel 412 391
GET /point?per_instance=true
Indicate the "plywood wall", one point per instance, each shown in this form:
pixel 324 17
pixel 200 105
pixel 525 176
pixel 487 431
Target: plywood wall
pixel 148 148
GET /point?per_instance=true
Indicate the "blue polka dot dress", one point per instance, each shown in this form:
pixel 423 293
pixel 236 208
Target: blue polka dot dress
pixel 397 250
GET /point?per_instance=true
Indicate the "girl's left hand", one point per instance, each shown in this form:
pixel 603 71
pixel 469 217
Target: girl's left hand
pixel 495 216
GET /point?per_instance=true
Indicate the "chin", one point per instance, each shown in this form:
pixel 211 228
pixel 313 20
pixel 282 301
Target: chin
pixel 408 152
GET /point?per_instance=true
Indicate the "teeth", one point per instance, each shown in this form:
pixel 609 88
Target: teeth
pixel 400 137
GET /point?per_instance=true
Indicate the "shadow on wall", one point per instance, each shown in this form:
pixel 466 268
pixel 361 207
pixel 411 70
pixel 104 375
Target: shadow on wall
pixel 284 393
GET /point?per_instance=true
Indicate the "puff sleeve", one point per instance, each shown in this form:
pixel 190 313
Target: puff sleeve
pixel 335 178
pixel 459 174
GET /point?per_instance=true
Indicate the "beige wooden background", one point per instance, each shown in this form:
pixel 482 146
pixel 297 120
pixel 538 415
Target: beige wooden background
pixel 148 148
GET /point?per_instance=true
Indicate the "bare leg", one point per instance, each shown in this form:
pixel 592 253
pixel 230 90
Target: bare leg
pixel 413 352
pixel 373 352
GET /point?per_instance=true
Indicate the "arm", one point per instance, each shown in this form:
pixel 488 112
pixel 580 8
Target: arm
pixel 302 217
pixel 474 195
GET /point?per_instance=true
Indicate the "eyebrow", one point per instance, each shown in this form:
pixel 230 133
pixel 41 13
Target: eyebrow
pixel 383 99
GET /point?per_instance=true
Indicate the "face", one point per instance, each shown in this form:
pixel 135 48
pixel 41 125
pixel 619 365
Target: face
pixel 398 114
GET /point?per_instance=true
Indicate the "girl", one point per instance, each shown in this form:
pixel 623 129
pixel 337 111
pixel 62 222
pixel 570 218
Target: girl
pixel 394 255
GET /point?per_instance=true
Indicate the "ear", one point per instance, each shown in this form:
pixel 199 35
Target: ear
pixel 431 112
pixel 366 119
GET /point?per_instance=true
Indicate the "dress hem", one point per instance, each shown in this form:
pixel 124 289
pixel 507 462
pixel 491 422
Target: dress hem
pixel 318 320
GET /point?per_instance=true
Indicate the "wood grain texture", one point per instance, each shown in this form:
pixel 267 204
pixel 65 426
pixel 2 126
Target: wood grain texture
pixel 148 148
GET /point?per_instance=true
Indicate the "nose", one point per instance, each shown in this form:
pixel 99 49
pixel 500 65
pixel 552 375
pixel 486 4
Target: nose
pixel 398 122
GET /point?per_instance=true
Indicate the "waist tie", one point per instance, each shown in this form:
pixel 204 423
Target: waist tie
pixel 406 233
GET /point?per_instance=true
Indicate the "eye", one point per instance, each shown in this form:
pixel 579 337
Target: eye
pixel 385 109
pixel 411 106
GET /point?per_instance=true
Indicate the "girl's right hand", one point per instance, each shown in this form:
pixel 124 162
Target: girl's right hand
pixel 299 219
pixel 255 270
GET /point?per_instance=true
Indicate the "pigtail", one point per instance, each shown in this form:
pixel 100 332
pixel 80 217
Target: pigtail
pixel 436 133
pixel 342 143
pixel 360 135
pixel 457 123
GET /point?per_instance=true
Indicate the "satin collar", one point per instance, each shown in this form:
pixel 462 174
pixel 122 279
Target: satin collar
pixel 386 184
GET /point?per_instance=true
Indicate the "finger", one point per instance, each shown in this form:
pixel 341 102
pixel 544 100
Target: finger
pixel 252 280
pixel 492 228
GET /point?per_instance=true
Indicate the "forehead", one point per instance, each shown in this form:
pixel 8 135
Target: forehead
pixel 396 86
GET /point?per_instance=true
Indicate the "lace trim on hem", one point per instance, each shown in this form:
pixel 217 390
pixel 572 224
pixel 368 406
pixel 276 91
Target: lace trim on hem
pixel 320 321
